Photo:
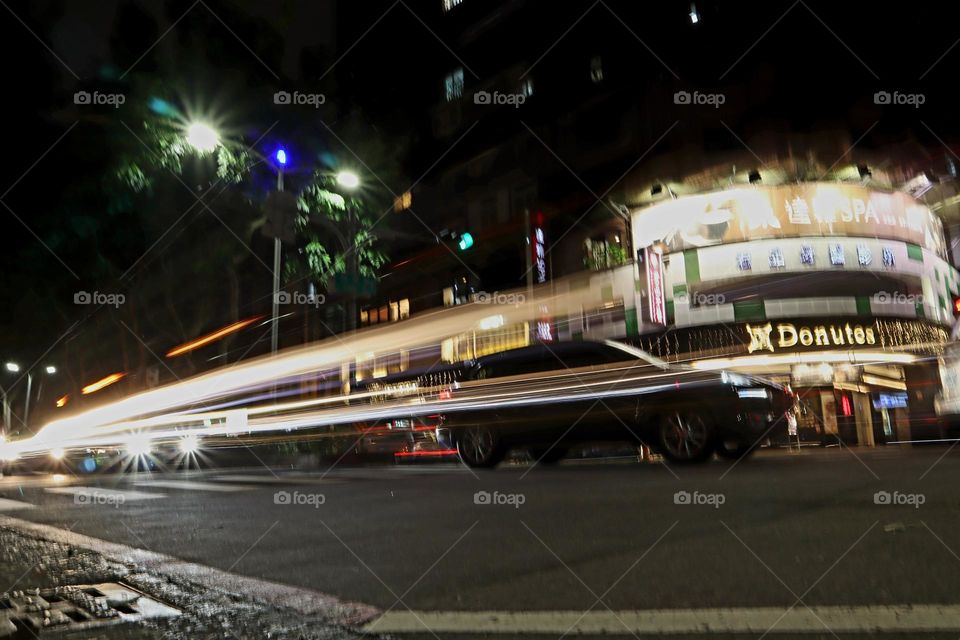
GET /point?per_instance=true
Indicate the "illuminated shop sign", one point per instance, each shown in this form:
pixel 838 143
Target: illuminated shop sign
pixel 797 336
pixel 657 310
pixel 891 401
pixel 787 211
pixel 785 335
pixel 538 248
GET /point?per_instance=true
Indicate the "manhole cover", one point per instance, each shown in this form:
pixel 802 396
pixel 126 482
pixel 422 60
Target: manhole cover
pixel 77 605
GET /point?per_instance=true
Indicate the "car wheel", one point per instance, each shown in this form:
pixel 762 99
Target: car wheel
pixel 734 449
pixel 686 436
pixel 552 455
pixel 479 446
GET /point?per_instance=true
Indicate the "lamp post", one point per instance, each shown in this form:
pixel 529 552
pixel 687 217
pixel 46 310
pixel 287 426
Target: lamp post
pixel 281 158
pixel 350 181
pixel 13 367
pixel 205 139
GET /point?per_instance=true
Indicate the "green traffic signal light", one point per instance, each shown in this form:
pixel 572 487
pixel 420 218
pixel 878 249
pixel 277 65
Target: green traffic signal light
pixel 466 241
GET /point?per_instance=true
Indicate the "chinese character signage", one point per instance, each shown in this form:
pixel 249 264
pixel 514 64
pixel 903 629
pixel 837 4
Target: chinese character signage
pixel 657 302
pixel 788 211
pixel 538 248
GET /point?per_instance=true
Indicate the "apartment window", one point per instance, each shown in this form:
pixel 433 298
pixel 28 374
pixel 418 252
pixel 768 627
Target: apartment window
pixel 453 85
pixel 596 69
pixel 403 201
pixel 450 4
pixel 526 87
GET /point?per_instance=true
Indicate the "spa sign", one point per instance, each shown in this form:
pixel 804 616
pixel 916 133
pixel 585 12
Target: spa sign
pixel 804 210
pixel 786 335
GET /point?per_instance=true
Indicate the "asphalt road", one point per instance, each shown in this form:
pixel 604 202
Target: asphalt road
pixel 778 530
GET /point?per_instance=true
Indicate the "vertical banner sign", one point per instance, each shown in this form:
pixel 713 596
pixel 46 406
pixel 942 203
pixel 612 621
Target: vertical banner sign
pixel 656 298
pixel 538 248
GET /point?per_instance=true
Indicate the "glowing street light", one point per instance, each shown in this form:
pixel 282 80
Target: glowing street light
pixel 50 369
pixel 13 367
pixel 281 156
pixel 202 137
pixel 348 179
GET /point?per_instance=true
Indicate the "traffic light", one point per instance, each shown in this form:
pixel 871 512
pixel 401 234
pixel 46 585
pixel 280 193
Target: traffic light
pixel 466 241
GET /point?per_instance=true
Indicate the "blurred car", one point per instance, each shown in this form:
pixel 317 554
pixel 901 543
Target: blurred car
pixel 595 391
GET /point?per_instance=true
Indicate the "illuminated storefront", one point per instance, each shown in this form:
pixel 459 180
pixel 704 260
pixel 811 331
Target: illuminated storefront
pixel 841 290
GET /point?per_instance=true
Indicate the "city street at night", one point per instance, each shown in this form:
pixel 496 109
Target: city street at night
pixel 463 319
pixel 781 530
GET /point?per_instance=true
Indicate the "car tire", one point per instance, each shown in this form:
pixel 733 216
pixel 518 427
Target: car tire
pixel 479 446
pixel 685 436
pixel 551 455
pixel 734 449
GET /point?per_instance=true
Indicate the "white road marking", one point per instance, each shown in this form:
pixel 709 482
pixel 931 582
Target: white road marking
pixel 10 505
pixel 284 479
pixel 905 618
pixel 304 601
pixel 188 485
pixel 97 494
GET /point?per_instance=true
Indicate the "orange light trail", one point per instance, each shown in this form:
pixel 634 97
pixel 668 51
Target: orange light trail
pixel 101 383
pixel 63 400
pixel 211 337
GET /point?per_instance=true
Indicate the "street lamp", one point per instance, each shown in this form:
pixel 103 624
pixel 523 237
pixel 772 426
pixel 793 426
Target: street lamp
pixel 13 367
pixel 202 137
pixel 50 369
pixel 348 179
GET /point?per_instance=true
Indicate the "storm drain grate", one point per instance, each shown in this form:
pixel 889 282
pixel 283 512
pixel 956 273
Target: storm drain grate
pixel 77 605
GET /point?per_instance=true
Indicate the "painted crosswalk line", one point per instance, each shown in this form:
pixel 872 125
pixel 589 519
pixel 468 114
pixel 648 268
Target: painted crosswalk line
pixel 12 505
pixel 903 618
pixel 189 485
pixel 97 495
